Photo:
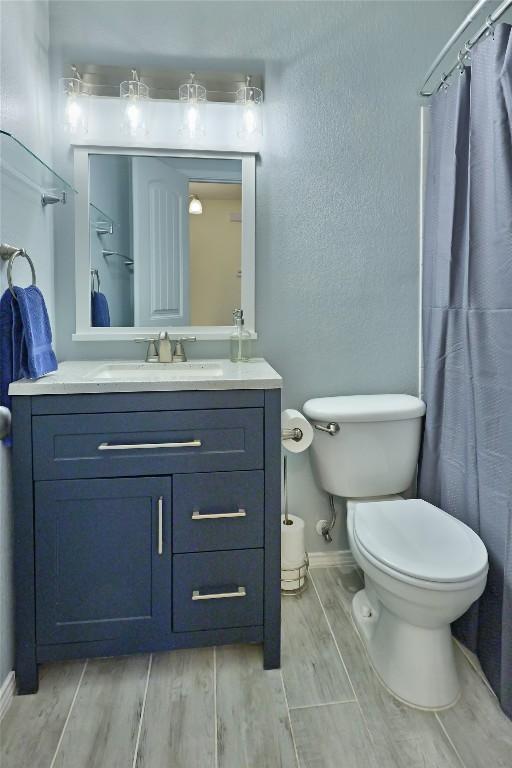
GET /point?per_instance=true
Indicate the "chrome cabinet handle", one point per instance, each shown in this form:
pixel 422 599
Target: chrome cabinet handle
pixel 197 515
pixel 160 524
pixel 139 446
pixel 196 595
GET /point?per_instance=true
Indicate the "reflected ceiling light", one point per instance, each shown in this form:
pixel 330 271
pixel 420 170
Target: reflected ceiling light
pixel 249 99
pixel 74 99
pixel 192 98
pixel 134 107
pixel 195 206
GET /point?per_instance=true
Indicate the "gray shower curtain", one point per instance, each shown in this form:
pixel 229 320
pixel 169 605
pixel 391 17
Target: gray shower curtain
pixel 466 462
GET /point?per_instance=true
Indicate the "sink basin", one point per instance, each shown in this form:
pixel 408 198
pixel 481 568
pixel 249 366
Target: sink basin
pixel 157 371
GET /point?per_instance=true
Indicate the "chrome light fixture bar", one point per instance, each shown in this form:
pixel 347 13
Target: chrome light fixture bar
pixel 102 80
pixel 193 92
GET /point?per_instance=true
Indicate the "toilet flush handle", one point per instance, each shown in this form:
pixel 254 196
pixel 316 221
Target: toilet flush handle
pixel 332 428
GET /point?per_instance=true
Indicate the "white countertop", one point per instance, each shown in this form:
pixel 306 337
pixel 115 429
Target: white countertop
pixel 93 376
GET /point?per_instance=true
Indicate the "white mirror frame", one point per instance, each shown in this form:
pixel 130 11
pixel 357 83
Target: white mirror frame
pixel 84 330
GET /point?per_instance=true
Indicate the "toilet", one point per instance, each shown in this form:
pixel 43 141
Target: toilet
pixel 422 567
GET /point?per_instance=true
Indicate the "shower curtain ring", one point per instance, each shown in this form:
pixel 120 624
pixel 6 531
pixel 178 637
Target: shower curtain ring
pixel 462 60
pixel 443 86
pixel 491 25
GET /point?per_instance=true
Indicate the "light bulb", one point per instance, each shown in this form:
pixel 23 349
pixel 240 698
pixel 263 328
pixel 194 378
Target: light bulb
pixel 250 123
pixel 250 99
pixel 135 107
pixel 192 119
pixel 72 114
pixel 195 205
pixel 73 101
pixel 192 97
pixel 133 118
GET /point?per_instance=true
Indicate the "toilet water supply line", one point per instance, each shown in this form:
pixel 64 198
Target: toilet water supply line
pixel 327 528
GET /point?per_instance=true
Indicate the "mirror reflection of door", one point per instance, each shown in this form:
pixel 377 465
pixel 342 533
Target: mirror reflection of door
pixel 160 243
pixel 172 255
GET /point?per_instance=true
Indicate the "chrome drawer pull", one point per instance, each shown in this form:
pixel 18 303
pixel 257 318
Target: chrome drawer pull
pixel 196 595
pixel 197 515
pixel 160 525
pixel 138 446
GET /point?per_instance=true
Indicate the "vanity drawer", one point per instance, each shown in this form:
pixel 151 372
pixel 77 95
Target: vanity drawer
pixel 217 510
pixel 215 590
pixel 147 443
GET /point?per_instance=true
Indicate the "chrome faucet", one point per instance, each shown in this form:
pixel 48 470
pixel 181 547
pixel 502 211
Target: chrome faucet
pixel 160 349
pixel 164 348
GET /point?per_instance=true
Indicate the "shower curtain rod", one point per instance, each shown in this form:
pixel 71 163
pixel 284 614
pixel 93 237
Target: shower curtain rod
pixel 484 29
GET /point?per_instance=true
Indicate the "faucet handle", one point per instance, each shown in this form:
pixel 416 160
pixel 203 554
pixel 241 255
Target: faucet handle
pixel 179 352
pixel 151 352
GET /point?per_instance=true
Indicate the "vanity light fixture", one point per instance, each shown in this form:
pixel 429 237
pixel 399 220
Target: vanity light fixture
pixel 195 206
pixel 249 98
pixel 192 97
pixel 134 97
pixel 74 99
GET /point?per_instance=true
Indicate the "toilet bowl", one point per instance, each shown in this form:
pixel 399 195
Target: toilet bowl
pixel 422 567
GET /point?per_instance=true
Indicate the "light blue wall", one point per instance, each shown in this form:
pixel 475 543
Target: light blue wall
pixel 337 182
pixel 24 111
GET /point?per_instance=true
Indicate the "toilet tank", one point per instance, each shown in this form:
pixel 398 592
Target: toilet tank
pixel 375 451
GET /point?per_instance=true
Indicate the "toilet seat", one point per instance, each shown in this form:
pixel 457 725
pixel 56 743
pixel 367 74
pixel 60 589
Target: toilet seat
pixel 420 541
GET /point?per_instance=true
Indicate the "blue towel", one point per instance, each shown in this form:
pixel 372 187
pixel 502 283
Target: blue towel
pixel 25 339
pixel 100 315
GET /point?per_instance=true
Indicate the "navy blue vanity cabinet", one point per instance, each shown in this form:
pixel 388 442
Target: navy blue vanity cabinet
pixel 145 522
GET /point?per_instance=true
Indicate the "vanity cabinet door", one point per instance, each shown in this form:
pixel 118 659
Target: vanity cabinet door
pixel 103 560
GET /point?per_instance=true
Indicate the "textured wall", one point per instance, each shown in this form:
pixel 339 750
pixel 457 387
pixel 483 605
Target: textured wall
pixel 337 182
pixel 24 111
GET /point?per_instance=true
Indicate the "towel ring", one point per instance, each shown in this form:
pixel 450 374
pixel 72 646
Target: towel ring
pixel 12 256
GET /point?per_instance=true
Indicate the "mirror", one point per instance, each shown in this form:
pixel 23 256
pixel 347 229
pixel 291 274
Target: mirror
pixel 165 240
pixel 167 244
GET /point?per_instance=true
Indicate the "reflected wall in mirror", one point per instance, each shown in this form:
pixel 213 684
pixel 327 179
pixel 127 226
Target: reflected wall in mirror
pixel 165 240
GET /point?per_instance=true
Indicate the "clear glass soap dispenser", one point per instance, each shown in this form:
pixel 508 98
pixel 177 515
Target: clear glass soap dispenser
pixel 240 339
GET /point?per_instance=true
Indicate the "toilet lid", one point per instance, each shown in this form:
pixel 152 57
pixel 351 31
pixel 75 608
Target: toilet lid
pixel 415 538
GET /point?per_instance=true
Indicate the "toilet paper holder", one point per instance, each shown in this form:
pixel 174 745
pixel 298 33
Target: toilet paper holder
pixel 292 434
pixel 298 574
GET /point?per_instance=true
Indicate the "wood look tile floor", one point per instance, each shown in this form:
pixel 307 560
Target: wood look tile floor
pixel 218 708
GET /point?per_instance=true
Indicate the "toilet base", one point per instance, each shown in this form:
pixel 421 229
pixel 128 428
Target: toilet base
pixel 416 664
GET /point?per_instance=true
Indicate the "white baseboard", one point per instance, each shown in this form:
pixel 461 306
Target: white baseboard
pixel 337 558
pixel 6 693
